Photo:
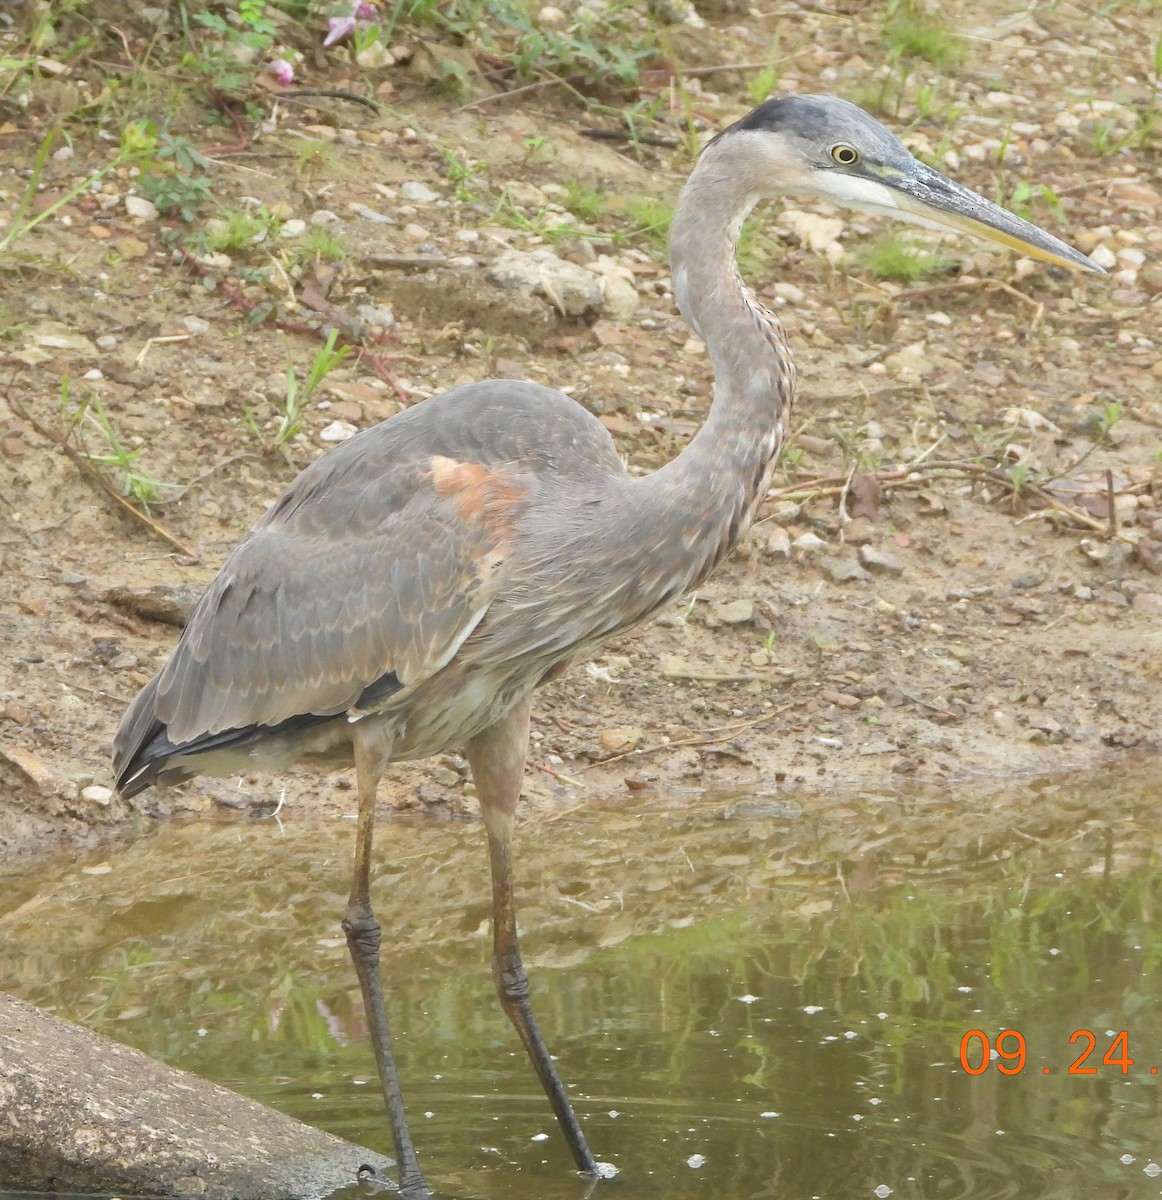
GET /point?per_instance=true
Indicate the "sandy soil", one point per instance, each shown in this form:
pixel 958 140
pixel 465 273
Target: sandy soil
pixel 933 629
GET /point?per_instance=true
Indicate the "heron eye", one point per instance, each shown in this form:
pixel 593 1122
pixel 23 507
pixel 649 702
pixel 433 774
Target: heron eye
pixel 844 155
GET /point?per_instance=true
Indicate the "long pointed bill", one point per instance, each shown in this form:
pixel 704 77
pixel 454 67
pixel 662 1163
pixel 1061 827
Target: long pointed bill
pixel 934 199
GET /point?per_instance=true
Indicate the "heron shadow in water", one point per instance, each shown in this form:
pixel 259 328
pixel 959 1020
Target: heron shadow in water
pixel 415 585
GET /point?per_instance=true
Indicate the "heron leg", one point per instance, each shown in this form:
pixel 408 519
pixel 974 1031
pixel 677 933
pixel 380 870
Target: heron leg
pixel 363 939
pixel 497 756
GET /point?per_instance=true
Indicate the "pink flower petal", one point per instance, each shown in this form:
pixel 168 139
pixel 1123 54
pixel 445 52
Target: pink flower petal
pixel 339 28
pixel 282 71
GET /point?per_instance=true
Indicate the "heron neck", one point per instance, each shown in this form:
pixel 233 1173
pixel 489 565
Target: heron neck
pixel 754 378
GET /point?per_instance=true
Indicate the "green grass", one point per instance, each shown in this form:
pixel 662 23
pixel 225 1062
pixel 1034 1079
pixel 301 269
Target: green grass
pixel 898 256
pixel 584 202
pixel 911 32
pixel 652 219
pixel 240 228
pixel 89 415
pixel 319 244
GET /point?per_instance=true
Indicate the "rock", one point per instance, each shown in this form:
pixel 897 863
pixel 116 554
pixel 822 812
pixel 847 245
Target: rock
pixel 1104 554
pixel 571 289
pixel 142 209
pixel 620 739
pixel 858 531
pixel 880 561
pixel 415 192
pixel 337 431
pixel 377 315
pixel 620 298
pixel 779 543
pixel 84 1114
pixel 910 362
pixel 106 342
pixel 1147 602
pixel 842 569
pixel 416 232
pixel 816 232
pixel 527 195
pixel 96 794
pixel 30 772
pixel 808 543
pixel 733 612
pixel 293 228
pixel 196 325
pixel 54 336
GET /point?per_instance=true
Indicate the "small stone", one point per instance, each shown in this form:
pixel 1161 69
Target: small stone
pixel 93 375
pixel 842 570
pixel 196 325
pixel 293 228
pixel 416 232
pixel 620 739
pixel 619 297
pixel 879 560
pixel 142 209
pixel 337 431
pixel 858 531
pixel 1147 602
pixel 1104 554
pixel 106 342
pixel 779 543
pixel 323 216
pixel 415 192
pixel 96 794
pixel 809 543
pixel 734 612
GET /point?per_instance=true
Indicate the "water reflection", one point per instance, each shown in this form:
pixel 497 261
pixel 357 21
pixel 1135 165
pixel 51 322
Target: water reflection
pixel 746 997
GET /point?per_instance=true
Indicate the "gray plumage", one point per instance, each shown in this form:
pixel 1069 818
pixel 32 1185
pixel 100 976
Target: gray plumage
pixel 415 585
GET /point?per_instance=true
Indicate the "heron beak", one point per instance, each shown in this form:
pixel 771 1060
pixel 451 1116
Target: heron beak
pixel 934 199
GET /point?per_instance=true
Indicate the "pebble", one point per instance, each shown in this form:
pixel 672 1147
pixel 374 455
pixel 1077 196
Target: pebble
pixel 619 297
pixel 779 543
pixel 733 612
pixel 1148 602
pixel 323 216
pixel 858 531
pixel 1104 257
pixel 808 543
pixel 620 739
pixel 879 560
pixel 337 431
pixel 194 325
pixel 415 192
pixel 142 209
pixel 293 228
pixel 416 232
pixel 369 214
pixel 96 794
pixel 842 569
pixel 1104 554
pixel 106 342
pixel 93 375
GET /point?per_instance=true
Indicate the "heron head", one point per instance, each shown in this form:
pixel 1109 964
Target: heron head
pixel 827 147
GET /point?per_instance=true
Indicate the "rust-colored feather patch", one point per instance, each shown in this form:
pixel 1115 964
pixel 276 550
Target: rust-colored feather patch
pixel 480 494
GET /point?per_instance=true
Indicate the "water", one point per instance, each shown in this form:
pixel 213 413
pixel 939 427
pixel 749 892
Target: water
pixel 748 997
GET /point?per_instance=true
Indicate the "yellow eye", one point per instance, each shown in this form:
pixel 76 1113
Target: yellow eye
pixel 844 155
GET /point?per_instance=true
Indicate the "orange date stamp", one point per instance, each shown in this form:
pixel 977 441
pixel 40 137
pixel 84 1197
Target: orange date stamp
pixel 1008 1054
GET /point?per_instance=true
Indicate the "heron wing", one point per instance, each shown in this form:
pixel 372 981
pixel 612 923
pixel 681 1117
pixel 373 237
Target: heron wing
pixel 355 586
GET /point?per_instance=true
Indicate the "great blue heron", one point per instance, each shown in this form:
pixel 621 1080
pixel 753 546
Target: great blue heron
pixel 415 585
